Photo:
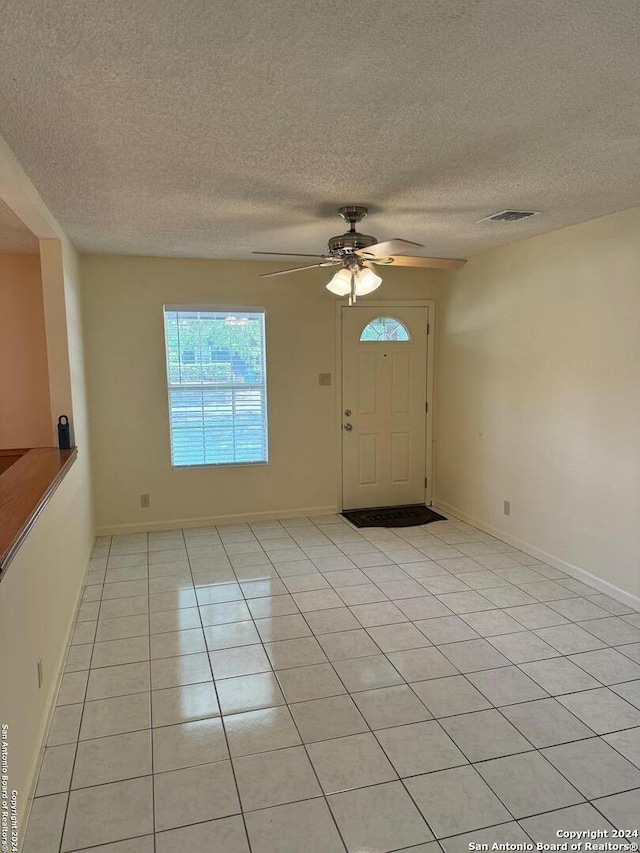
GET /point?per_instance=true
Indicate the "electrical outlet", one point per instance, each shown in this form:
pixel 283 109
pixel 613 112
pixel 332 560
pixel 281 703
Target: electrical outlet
pixel 324 379
pixel 507 507
pixel 40 675
pixel 145 503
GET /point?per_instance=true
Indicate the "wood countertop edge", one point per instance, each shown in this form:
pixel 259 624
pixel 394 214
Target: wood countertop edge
pixel 25 490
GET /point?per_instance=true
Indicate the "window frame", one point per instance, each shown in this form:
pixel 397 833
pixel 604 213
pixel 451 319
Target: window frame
pixel 406 340
pixel 217 309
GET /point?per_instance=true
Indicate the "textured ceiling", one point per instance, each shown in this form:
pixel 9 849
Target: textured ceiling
pixel 15 237
pixel 208 129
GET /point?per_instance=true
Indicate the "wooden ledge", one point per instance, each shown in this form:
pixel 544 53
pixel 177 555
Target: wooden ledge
pixel 25 489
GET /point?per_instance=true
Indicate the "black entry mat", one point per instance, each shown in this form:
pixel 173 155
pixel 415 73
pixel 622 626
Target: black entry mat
pixel 393 516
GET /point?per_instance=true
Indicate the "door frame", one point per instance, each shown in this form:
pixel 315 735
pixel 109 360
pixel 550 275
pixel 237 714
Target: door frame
pixel 390 304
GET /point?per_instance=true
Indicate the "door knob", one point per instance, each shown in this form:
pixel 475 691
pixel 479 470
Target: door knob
pixel 348 427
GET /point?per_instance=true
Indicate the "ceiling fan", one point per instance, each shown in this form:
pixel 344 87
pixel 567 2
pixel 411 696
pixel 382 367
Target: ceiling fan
pixel 355 253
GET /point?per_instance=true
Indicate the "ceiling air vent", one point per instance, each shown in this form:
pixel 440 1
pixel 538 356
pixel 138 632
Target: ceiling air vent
pixel 509 216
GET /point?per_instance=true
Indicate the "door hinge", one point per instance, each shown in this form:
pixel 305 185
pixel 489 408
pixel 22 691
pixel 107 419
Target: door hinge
pixel 428 328
pixel 426 481
pixel 426 407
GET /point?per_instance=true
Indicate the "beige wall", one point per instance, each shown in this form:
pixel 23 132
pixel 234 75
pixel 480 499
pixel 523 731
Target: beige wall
pixel 128 395
pixel 25 417
pixel 539 395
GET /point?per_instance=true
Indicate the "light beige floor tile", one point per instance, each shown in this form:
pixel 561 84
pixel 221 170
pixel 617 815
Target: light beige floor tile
pixel 73 686
pixel 305 826
pixel 390 706
pixel 395 638
pixel 176 672
pixel 260 731
pixel 293 653
pixel 221 614
pixel 184 704
pixel 114 652
pixel 119 680
pixel 546 722
pixel 594 767
pixel 474 655
pixel 456 800
pixel 249 693
pixel 65 725
pixel 321 719
pixel 447 629
pixel 381 818
pixel 188 744
pixel 419 664
pixel 602 710
pixel 274 778
pixel 226 834
pixel 277 605
pixel 119 607
pixel 175 600
pixel 90 818
pixel 506 685
pixel 195 794
pixel 420 748
pixel 310 682
pixel 367 673
pixel 231 635
pixel 45 824
pixel 332 621
pixel 282 628
pixel 485 734
pixel 322 599
pixel 243 660
pixel 528 784
pixel 122 627
pixel 79 658
pixel 175 643
pixel 341 645
pixel 381 613
pixel 56 769
pixel 112 759
pixel 445 697
pixel 350 762
pixel 116 716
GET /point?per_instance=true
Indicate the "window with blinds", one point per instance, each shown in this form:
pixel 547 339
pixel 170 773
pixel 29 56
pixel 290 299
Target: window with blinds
pixel 216 376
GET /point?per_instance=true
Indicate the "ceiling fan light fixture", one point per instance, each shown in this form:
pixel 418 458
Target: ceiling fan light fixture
pixel 340 284
pixel 366 281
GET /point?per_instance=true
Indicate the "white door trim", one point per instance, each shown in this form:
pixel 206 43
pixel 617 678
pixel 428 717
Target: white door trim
pixel 429 422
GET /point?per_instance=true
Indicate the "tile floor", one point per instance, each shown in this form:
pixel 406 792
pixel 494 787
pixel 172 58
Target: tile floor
pixel 300 685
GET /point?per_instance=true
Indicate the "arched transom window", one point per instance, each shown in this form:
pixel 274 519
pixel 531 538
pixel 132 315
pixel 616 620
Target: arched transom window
pixel 385 329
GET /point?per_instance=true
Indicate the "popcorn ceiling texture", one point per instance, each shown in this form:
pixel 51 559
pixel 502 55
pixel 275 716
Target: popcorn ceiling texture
pixel 208 129
pixel 15 237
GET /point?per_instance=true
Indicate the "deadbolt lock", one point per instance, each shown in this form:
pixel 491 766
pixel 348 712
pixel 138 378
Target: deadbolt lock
pixel 347 413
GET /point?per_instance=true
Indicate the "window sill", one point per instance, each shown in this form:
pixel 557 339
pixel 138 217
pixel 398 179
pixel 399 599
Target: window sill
pixel 25 489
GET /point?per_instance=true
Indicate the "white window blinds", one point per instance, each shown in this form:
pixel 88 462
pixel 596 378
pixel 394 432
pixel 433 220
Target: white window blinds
pixel 217 385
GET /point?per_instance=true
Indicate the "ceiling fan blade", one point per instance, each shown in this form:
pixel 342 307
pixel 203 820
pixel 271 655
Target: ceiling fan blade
pixel 289 254
pixel 387 248
pixel 299 269
pixel 433 263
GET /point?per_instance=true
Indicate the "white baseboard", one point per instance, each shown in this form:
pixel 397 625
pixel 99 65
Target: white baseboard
pixel 576 572
pixel 52 699
pixel 238 518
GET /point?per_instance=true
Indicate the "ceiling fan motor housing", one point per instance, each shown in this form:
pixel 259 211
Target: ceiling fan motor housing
pixel 351 241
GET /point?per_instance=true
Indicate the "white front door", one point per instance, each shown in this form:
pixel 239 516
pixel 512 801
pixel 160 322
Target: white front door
pixel 384 394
